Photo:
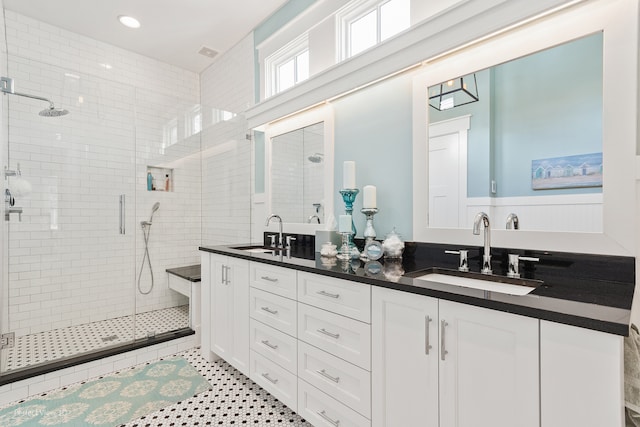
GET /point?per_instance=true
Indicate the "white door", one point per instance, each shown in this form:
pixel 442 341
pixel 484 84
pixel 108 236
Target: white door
pixel 221 295
pixel 443 181
pixel 404 371
pixel 489 368
pixel 238 305
pixel 448 172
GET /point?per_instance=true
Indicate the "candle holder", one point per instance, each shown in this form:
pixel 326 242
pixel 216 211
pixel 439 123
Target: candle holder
pixel 369 231
pixel 345 249
pixel 349 196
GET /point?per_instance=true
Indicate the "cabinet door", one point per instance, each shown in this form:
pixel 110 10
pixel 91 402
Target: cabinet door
pixel 238 305
pixel 404 370
pixel 220 317
pixel 489 368
pixel 581 377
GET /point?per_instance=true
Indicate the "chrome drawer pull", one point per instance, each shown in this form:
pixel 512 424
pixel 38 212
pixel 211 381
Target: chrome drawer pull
pixel 268 378
pixel 324 415
pixel 443 352
pixel 268 310
pixel 268 344
pixel 327 294
pixel 324 374
pixel 324 331
pixel 268 279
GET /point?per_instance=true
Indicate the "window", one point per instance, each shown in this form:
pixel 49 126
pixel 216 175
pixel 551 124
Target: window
pixel 364 24
pixel 287 67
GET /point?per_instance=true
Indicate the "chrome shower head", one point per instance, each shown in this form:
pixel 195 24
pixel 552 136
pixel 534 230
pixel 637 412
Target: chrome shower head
pixel 155 207
pixel 315 157
pixel 53 112
pixel 7 87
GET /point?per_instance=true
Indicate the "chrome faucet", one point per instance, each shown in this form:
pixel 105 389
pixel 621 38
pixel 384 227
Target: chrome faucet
pixel 312 217
pixel 277 217
pixel 483 218
pixel 513 222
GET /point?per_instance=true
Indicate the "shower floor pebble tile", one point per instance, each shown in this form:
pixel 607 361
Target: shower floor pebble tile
pixel 34 349
pixel 234 400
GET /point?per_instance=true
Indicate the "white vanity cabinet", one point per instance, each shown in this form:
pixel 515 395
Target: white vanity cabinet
pixel 229 310
pixel 440 363
pixel 404 362
pixel 334 351
pixel 581 381
pixel 274 347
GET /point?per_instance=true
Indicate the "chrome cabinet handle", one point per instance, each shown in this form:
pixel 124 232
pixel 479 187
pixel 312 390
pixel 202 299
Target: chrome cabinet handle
pixel 324 415
pixel 122 213
pixel 223 269
pixel 427 345
pixel 226 277
pixel 269 279
pixel 443 352
pixel 327 294
pixel 268 344
pixel 268 310
pixel 332 335
pixel 268 378
pixel 332 378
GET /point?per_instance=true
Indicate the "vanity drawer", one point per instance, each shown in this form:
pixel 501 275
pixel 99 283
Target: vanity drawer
pixel 324 411
pixel 274 345
pixel 276 380
pixel 273 310
pixel 341 380
pixel 341 336
pixel 350 299
pixel 270 278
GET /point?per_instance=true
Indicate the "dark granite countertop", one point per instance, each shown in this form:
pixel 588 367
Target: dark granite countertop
pixel 588 291
pixel 189 272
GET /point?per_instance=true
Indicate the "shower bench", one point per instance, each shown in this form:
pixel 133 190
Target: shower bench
pixel 186 281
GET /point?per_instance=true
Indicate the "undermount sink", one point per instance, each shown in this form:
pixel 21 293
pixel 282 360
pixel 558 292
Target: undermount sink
pixel 254 249
pixel 499 284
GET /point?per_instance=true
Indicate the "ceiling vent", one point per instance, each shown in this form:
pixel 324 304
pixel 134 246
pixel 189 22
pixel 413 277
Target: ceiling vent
pixel 208 52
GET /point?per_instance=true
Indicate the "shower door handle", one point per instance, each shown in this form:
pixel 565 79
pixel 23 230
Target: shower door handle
pixel 122 213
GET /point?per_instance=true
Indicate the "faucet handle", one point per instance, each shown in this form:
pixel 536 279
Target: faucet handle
pixel 463 264
pixel 272 237
pixel 289 240
pixel 514 264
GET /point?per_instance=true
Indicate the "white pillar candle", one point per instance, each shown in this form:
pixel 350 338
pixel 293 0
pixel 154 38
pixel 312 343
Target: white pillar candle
pixel 349 175
pixel 344 224
pixel 369 197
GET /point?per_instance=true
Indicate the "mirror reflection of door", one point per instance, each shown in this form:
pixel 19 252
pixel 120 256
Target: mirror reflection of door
pixel 448 172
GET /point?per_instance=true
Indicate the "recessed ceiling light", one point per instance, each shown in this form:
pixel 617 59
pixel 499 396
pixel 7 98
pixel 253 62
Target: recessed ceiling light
pixel 129 21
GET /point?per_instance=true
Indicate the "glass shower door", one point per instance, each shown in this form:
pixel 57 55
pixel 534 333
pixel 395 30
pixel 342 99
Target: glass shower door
pixel 71 252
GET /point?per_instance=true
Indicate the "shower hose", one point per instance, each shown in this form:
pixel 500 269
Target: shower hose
pixel 146 231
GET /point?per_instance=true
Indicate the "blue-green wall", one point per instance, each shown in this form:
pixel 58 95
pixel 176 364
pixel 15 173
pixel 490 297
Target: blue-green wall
pixel 273 23
pixel 374 128
pixel 259 156
pixel 546 105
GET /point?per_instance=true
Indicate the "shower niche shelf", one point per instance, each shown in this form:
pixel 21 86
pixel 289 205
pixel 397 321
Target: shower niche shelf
pixel 159 179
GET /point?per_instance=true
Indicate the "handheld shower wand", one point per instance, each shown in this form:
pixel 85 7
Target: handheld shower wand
pixel 146 231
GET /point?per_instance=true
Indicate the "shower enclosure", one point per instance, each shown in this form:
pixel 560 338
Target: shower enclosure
pixel 72 243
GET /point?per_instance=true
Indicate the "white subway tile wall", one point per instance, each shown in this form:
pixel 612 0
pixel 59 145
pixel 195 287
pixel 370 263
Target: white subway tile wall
pixel 227 91
pixel 68 263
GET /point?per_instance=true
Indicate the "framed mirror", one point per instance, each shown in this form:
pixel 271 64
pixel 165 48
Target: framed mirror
pixel 556 152
pixel 299 169
pixel 530 146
